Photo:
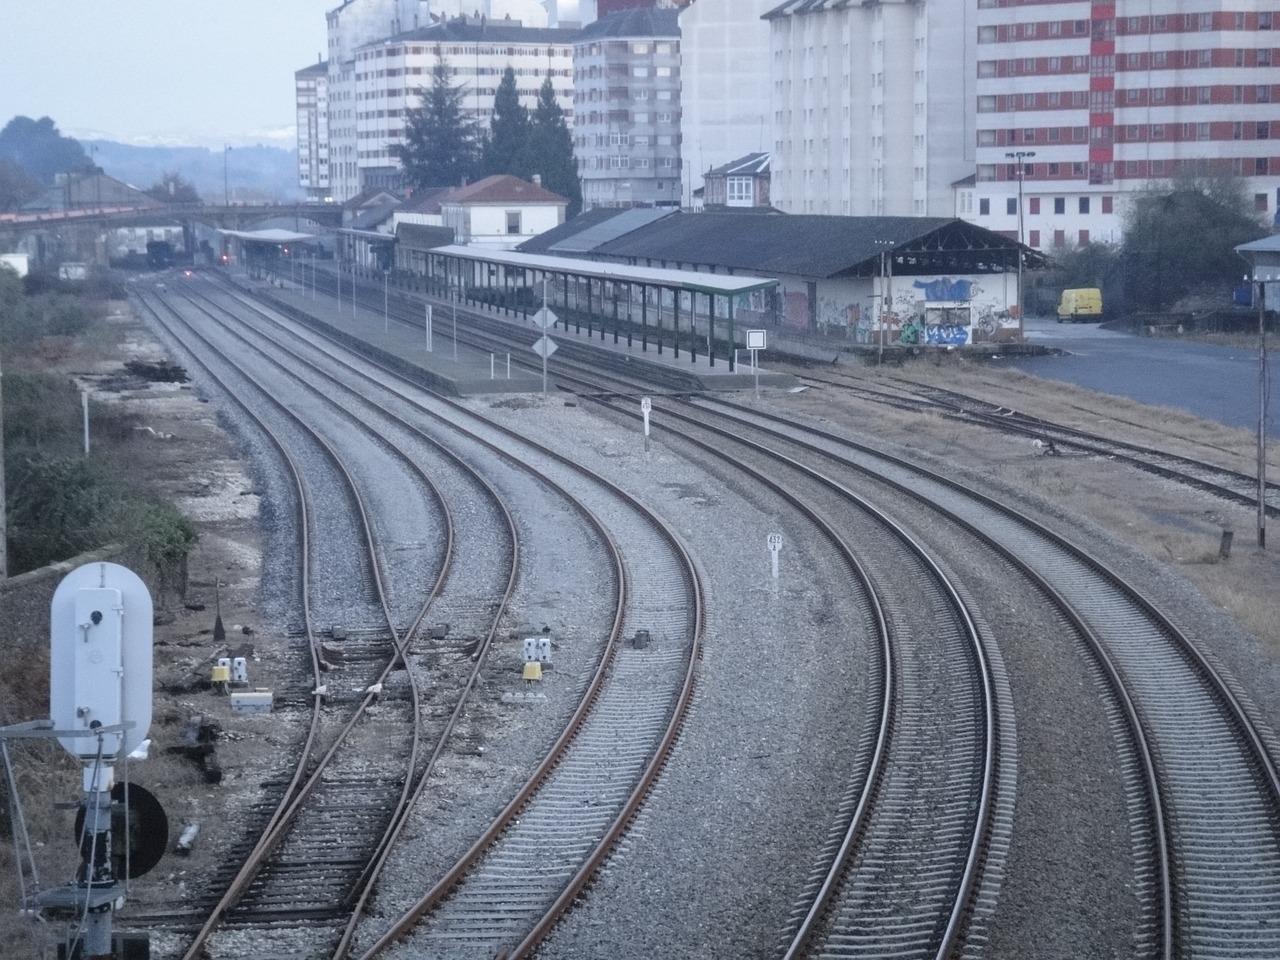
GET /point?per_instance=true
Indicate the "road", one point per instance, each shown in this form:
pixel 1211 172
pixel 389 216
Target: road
pixel 1216 383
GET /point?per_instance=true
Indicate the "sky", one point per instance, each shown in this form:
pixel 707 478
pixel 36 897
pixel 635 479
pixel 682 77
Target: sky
pixel 173 72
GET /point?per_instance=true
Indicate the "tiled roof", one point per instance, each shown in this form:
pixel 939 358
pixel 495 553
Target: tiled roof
pixel 503 188
pixel 634 23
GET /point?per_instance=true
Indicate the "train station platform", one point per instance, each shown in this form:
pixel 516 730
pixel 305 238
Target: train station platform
pixel 455 368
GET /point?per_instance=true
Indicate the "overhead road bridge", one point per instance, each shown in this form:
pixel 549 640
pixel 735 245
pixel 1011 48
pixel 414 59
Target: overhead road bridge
pixel 678 306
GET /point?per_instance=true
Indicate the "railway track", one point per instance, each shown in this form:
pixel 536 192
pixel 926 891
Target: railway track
pixel 1198 899
pixel 613 712
pixel 1203 752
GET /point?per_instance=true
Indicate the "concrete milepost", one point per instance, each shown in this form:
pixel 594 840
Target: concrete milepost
pixel 774 542
pixel 646 405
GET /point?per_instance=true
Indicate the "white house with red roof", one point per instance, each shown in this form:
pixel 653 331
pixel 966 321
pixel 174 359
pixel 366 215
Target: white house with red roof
pixel 501 211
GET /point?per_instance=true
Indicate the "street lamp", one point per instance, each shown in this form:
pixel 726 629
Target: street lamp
pixel 226 194
pixel 1018 156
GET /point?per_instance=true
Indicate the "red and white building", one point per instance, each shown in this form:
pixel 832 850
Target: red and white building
pixel 1081 104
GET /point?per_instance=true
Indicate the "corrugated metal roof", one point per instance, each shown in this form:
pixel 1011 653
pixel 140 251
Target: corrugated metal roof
pixel 607 230
pixel 813 246
pixel 545 240
pixel 693 280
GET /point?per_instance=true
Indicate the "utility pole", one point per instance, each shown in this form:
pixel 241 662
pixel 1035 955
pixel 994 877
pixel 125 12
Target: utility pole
pixel 1262 414
pixel 1018 156
pixel 4 525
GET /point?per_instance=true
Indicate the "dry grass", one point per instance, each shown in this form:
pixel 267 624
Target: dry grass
pixel 1170 523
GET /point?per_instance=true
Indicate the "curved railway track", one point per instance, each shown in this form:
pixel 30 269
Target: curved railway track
pixel 1215 880
pixel 617 702
pixel 1212 882
pixel 292 874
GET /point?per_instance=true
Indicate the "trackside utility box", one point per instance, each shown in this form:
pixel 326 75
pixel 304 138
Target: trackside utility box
pixel 1080 305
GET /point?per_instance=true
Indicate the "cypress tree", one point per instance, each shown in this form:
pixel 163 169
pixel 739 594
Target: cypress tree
pixel 550 149
pixel 441 143
pixel 506 148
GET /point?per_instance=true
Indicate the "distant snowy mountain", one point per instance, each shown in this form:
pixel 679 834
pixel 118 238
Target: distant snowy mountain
pixel 255 173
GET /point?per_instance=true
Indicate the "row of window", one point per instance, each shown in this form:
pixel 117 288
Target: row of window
pixel 623 162
pixel 436 50
pixel 616 139
pixel 1105 29
pixel 624 116
pixel 1105 101
pixel 464 72
pixel 1130 133
pixel 1106 65
pixel 616 48
pixel 1106 172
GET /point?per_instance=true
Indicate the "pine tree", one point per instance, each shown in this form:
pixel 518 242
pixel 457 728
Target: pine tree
pixel 506 149
pixel 441 142
pixel 550 150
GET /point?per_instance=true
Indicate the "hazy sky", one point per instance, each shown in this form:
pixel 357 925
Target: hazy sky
pixel 192 72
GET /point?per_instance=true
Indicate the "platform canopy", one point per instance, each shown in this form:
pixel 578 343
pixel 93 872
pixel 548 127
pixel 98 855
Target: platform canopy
pixel 269 236
pixel 694 281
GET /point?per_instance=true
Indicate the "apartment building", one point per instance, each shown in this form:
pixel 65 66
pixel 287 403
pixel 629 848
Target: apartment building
pixel 1082 104
pixel 872 105
pixel 311 93
pixel 364 96
pixel 626 69
pixel 725 86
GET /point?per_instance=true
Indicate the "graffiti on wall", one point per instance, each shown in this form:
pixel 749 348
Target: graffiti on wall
pixel 944 288
pixel 945 334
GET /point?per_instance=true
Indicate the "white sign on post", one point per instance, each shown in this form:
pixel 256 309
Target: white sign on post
pixel 774 541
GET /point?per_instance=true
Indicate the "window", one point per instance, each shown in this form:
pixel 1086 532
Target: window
pixel 1059 238
pixel 984 207
pixel 1263 95
pixel 1059 204
pixel 1262 130
pixel 1011 206
pixel 1259 166
pixel 639 48
pixel 1084 204
pixel 1034 238
pixel 1260 202
pixel 513 221
pixel 1157 131
pixel 739 192
pixel 1107 204
pixel 1033 207
pixel 1264 58
pixel 1083 239
pixel 1053 169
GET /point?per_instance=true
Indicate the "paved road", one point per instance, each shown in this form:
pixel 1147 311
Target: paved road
pixel 1216 383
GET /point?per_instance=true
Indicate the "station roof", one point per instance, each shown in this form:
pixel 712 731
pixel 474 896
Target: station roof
pixel 819 247
pixel 269 236
pixel 695 281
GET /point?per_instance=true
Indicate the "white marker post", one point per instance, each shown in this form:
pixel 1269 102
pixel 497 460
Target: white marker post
pixel 545 319
pixel 755 343
pixel 427 328
pixel 645 406
pixel 774 542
